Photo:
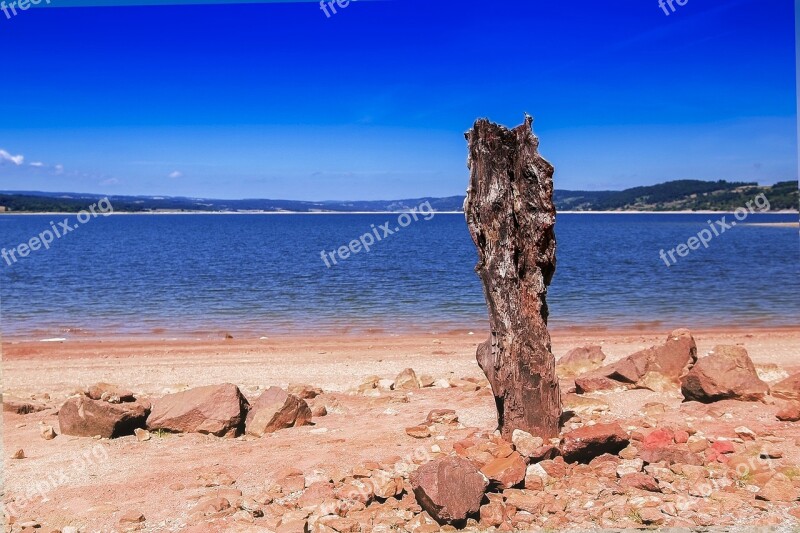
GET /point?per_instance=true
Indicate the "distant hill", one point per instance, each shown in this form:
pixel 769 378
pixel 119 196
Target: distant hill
pixel 680 195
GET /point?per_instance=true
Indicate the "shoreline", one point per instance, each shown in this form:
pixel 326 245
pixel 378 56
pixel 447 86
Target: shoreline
pixel 104 347
pixel 444 331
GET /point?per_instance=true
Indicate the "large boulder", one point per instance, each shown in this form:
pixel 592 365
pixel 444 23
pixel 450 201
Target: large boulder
pixel 450 489
pixel 656 368
pixel 580 360
pixel 276 409
pixel 214 409
pixel 82 416
pixel 788 389
pixel 725 373
pixel 587 442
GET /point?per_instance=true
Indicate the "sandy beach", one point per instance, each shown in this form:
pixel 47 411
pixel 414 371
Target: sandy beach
pixel 167 478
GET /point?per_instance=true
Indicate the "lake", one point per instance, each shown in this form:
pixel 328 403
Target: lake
pixel 205 275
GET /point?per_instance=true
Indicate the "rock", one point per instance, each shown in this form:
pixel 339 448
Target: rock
pixel 21 407
pixel 640 481
pixel 788 389
pixel 525 443
pixel 104 391
pixel 368 384
pixel 584 406
pixel 651 516
pixel 418 432
pixel 535 477
pixel 406 380
pixel 506 472
pixel 450 489
pixel 726 373
pixel 657 368
pixel 19 454
pixel 131 517
pixel 426 380
pixel 670 455
pixel 82 416
pixel 492 514
pixel 580 360
pixel 789 412
pixel 142 435
pixel 276 409
pixel 778 489
pixel 585 443
pixel 629 466
pixel 442 416
pixel 214 409
pixel 304 392
pixel 319 411
pixel 47 432
pixel 659 438
pixel 441 383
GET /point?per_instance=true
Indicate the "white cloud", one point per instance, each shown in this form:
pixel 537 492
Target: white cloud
pixel 110 181
pixel 59 169
pixel 37 164
pixel 175 174
pixel 16 159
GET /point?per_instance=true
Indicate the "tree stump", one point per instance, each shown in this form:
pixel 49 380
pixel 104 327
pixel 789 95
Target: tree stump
pixel 510 213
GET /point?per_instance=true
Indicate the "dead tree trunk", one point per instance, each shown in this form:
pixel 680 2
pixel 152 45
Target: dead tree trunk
pixel 510 214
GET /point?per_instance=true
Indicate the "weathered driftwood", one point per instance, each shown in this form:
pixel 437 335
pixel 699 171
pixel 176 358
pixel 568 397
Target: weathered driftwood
pixel 510 214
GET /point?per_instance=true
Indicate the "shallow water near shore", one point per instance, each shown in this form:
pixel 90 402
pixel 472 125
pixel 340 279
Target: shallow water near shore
pixel 264 275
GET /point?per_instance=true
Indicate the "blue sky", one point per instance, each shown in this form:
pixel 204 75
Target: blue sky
pixel 277 101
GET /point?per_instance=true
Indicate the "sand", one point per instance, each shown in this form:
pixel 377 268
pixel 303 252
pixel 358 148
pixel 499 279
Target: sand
pixel 159 478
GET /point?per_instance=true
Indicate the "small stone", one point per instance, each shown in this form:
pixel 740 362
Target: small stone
pixel 506 472
pixel 651 516
pixel 778 489
pixel 525 443
pixel 789 413
pixel 639 481
pixel 406 380
pixel 131 517
pixel 47 432
pixel 745 433
pixel 142 435
pixel 19 454
pixel 442 416
pixel 418 432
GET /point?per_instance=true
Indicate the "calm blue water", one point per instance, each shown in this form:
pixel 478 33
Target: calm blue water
pixel 263 275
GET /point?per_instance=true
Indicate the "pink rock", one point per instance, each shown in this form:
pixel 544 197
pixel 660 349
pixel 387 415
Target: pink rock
pixel 657 368
pixel 580 360
pixel 450 489
pixel 723 446
pixel 788 389
pixel 726 373
pixel 506 472
pixel 276 409
pixel 587 442
pixel 681 437
pixel 97 391
pixel 639 480
pixel 789 412
pixel 83 417
pixel 659 438
pixel 214 409
pixel 778 489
